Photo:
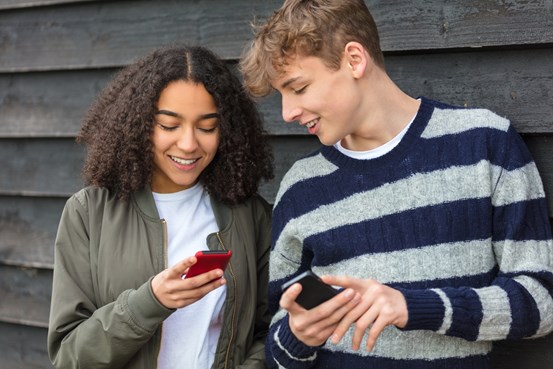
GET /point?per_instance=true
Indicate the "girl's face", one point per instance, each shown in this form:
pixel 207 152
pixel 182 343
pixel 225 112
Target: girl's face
pixel 185 136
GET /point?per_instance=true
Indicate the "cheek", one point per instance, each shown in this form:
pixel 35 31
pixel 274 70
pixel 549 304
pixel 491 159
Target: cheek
pixel 210 146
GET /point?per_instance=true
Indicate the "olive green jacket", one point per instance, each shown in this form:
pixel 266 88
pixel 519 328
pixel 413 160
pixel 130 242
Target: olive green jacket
pixel 103 311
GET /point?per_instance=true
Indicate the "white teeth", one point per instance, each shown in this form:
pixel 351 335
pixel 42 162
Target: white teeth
pixel 311 123
pixel 183 161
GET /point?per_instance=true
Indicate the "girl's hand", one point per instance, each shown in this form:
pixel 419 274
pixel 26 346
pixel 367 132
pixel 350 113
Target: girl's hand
pixel 172 291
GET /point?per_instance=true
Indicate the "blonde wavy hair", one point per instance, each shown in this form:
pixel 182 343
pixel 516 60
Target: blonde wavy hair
pixel 318 28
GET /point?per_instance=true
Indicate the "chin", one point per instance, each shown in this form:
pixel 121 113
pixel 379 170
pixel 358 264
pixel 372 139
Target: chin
pixel 328 141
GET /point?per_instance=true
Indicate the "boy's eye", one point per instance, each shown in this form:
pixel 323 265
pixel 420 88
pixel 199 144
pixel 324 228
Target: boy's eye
pixel 300 91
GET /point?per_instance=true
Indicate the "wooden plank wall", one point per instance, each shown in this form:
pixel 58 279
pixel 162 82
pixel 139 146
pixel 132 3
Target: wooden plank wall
pixel 55 56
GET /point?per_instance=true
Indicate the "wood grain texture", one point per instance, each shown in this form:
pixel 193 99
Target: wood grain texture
pixel 25 287
pixel 28 227
pixel 112 33
pixel 23 347
pixel 18 4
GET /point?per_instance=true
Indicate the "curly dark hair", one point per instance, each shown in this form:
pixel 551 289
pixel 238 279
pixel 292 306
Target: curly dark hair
pixel 117 128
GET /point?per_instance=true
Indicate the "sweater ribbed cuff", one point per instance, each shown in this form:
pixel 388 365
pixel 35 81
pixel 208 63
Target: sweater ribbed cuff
pixel 425 308
pixel 292 344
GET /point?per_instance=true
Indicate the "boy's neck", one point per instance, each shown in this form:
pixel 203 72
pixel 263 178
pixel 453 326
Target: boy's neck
pixel 385 111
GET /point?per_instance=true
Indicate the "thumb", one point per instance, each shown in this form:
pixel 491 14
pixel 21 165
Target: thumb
pixel 177 270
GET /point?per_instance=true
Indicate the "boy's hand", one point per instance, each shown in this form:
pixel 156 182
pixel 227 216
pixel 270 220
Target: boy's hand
pixel 380 306
pixel 174 292
pixel 314 326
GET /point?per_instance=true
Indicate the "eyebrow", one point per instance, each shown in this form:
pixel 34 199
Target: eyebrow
pixel 289 82
pixel 176 115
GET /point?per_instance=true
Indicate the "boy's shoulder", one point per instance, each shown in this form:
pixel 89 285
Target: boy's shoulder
pixel 308 167
pixel 450 119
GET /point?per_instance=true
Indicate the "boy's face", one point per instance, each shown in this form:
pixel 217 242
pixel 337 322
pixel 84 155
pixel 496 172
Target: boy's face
pixel 325 101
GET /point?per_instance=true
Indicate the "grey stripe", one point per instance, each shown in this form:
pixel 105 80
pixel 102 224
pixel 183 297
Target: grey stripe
pixel 448 121
pixel 426 263
pixel 496 321
pixel 448 313
pixel 543 300
pixel 315 166
pixel 419 190
pixel 524 256
pixel 518 185
pixel 417 344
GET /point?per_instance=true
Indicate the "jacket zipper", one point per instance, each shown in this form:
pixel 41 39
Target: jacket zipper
pixel 165 265
pixel 165 247
pixel 233 319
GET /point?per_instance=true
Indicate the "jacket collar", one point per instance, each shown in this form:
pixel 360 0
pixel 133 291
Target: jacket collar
pixel 146 203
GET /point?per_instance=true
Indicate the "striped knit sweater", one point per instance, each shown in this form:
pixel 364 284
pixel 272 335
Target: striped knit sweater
pixel 454 217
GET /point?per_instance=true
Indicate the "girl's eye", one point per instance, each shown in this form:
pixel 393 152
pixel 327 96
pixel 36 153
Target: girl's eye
pixel 166 128
pixel 300 91
pixel 208 130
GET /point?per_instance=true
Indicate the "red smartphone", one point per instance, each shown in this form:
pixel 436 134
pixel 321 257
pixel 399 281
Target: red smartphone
pixel 209 260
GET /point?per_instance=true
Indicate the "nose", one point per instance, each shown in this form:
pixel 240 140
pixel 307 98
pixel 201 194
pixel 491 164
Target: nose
pixel 290 110
pixel 187 140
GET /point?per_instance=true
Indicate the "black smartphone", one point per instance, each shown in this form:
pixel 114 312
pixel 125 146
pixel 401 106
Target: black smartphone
pixel 209 260
pixel 313 290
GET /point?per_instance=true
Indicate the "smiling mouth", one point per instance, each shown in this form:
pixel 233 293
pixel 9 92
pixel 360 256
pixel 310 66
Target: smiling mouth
pixel 311 123
pixel 183 161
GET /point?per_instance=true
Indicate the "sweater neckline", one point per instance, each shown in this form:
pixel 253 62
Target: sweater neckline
pixel 394 156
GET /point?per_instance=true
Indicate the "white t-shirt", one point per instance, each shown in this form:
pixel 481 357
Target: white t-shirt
pixel 377 151
pixel 190 335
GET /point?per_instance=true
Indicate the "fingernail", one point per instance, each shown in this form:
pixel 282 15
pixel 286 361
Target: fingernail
pixel 334 338
pixel 349 293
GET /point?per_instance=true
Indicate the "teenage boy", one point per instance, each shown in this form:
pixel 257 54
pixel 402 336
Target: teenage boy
pixel 431 218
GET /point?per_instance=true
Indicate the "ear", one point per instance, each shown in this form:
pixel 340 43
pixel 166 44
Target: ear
pixel 356 59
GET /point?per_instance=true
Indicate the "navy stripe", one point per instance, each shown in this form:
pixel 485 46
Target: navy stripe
pixel 334 360
pixel 432 225
pixel 530 213
pixel 467 313
pixel 474 281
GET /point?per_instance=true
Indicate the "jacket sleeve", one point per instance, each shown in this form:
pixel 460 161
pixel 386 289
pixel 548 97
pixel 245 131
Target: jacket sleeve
pixel 81 333
pixel 255 357
pixel 518 303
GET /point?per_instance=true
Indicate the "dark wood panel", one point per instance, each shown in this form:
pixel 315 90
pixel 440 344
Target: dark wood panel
pixel 23 347
pixel 541 148
pixel 516 84
pixel 28 228
pixel 523 354
pixel 25 287
pixel 49 167
pixel 48 104
pixel 113 33
pixel 13 4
